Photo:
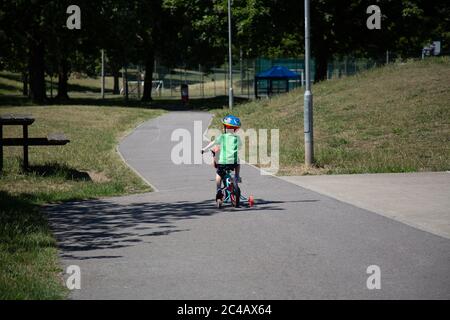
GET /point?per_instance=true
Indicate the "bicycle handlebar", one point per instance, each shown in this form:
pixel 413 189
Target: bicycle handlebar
pixel 213 153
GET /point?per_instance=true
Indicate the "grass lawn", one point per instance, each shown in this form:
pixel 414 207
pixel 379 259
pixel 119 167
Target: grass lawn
pixel 390 119
pixel 88 167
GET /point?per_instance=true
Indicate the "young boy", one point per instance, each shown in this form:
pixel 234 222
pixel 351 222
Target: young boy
pixel 230 144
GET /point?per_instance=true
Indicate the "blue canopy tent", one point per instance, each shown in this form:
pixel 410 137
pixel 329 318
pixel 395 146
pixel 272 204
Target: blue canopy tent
pixel 278 74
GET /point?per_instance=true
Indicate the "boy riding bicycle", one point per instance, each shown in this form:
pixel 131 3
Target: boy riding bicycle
pixel 230 144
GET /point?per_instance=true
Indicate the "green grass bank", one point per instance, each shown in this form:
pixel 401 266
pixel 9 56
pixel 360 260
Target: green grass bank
pixel 389 119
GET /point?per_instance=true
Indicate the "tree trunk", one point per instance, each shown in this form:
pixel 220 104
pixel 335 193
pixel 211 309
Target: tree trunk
pixel 37 72
pixel 149 68
pixel 125 84
pixel 25 91
pixel 116 89
pixel 63 70
pixel 321 66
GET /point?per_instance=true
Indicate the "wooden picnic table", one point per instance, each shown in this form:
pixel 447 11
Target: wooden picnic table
pixel 25 141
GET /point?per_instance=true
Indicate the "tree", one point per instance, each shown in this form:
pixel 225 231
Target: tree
pixel 72 50
pixel 34 40
pixel 149 17
pixel 24 47
pixel 117 34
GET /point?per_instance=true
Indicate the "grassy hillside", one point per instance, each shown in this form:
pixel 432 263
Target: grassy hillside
pixel 390 119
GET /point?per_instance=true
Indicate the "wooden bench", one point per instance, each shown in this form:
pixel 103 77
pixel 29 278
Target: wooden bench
pixel 56 139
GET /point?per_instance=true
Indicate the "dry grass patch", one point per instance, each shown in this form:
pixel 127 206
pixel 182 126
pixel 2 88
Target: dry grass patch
pixel 88 167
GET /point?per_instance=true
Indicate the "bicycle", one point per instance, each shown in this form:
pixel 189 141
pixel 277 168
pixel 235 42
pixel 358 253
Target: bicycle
pixel 232 193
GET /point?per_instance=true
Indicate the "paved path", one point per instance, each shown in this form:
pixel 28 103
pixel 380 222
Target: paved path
pixel 294 244
pixel 421 200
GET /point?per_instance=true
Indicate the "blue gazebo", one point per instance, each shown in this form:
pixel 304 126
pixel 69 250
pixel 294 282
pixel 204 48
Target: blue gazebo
pixel 275 74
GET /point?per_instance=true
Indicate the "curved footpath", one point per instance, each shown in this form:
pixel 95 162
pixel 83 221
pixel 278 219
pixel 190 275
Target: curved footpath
pixel 294 244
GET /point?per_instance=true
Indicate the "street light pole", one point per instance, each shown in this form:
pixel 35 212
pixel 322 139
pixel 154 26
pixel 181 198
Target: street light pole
pixel 308 98
pixel 103 74
pixel 230 60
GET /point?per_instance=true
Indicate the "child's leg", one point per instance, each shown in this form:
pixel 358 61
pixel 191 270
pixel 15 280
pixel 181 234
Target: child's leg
pixel 237 171
pixel 218 182
pixel 219 193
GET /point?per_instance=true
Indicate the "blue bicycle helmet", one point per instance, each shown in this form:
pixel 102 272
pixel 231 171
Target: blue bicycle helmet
pixel 231 122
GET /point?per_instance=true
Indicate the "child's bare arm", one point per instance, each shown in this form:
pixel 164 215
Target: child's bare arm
pixel 208 146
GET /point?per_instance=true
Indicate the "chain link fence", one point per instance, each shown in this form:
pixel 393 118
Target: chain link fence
pixel 214 82
pixel 204 82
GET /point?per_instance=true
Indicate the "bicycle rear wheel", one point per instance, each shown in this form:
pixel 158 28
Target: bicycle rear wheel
pixel 236 197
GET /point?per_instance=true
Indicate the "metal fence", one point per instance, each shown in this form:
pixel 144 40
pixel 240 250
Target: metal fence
pixel 213 82
pixel 204 82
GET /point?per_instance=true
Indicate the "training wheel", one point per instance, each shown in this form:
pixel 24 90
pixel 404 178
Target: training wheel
pixel 251 201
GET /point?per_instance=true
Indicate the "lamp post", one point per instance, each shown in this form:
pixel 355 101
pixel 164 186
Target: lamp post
pixel 230 60
pixel 103 74
pixel 308 98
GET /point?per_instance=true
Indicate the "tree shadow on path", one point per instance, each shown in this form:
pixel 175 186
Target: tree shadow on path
pixel 101 224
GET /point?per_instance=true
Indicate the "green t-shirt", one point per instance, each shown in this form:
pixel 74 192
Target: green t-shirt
pixel 229 148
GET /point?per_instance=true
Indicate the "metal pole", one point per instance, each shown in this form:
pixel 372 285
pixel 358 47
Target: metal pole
pixel 247 78
pixel 139 82
pixel 25 146
pixel 230 61
pixel 308 97
pixel 126 85
pixel 242 72
pixel 170 83
pixel 1 148
pixel 123 80
pixel 103 74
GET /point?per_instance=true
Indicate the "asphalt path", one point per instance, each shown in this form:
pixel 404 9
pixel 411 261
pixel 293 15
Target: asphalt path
pixel 293 244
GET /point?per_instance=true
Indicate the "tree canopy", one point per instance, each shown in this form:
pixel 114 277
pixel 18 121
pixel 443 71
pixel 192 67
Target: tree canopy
pixel 35 41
